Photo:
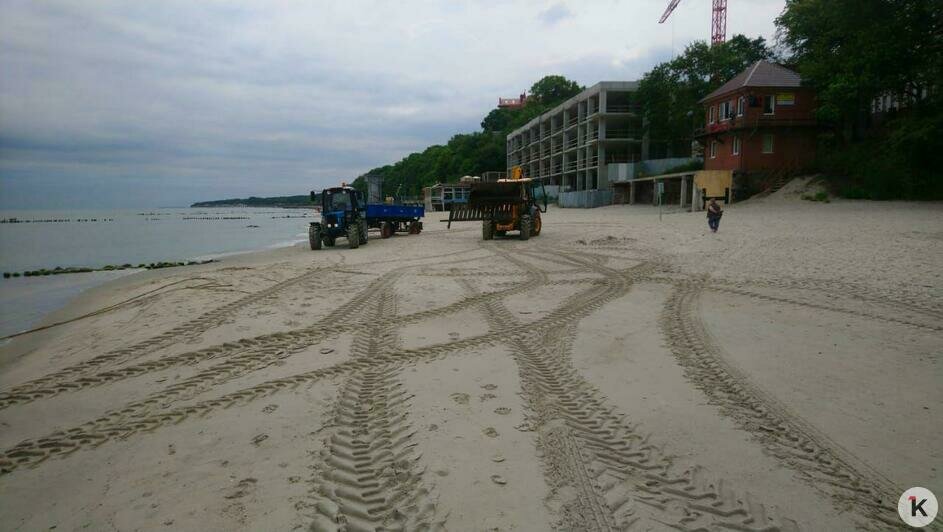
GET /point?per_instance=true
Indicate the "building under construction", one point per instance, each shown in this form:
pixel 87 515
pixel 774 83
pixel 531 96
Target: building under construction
pixel 590 142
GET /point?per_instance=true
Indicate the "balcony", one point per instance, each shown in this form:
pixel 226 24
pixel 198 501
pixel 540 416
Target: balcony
pixel 623 134
pixel 737 123
pixel 623 108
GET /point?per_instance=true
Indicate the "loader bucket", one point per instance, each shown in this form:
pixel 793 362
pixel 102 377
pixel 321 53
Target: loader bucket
pixel 484 199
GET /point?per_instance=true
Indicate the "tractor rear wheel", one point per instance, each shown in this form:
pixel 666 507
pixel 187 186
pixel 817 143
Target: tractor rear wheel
pixel 363 232
pixel 487 230
pixel 329 240
pixel 525 227
pixel 353 236
pixel 537 225
pixel 314 237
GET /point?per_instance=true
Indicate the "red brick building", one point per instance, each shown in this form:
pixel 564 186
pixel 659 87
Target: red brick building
pixel 760 121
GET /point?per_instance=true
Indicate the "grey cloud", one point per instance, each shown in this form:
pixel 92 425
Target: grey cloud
pixel 554 14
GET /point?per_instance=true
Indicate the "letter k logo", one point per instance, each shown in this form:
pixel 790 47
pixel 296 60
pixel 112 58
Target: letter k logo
pixel 916 507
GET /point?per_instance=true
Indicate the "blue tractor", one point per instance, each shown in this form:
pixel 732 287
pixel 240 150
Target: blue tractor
pixel 344 213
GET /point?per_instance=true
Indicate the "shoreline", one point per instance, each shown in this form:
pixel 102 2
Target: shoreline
pixel 76 285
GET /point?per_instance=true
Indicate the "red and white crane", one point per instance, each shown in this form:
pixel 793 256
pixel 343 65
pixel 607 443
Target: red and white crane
pixel 718 19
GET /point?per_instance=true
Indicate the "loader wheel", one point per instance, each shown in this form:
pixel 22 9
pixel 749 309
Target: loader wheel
pixel 525 227
pixel 537 225
pixel 363 233
pixel 487 230
pixel 314 237
pixel 386 230
pixel 353 236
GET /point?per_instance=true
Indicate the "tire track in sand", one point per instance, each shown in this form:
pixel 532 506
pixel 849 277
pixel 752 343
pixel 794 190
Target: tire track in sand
pixel 787 437
pixel 618 478
pixel 58 381
pixel 368 477
pixel 245 354
pixel 137 419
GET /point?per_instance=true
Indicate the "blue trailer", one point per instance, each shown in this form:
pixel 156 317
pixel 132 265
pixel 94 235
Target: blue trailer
pixel 345 214
pixel 390 219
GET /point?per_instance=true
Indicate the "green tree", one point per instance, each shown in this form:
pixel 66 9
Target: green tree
pixel 853 51
pixel 551 90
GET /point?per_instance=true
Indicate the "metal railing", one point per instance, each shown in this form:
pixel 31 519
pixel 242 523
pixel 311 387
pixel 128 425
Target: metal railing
pixel 623 133
pixel 623 108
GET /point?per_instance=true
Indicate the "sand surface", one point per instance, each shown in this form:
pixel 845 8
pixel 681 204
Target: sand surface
pixel 616 372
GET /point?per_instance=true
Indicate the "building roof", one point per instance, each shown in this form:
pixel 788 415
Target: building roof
pixel 759 74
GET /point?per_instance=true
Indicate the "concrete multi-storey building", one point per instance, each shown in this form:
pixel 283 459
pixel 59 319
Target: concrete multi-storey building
pixel 585 144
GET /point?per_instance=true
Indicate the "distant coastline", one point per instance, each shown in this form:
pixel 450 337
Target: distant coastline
pixel 292 202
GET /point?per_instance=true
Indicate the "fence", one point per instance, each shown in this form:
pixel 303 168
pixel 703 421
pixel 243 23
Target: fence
pixel 584 199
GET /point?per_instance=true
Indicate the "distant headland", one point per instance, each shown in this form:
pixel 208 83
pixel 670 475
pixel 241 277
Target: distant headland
pixel 276 201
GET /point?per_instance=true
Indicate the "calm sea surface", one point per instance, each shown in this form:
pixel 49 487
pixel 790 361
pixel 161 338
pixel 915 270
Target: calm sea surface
pixel 98 238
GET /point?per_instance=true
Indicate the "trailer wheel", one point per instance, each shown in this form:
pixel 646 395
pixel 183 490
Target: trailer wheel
pixel 487 230
pixel 314 237
pixel 537 225
pixel 525 227
pixel 386 230
pixel 353 236
pixel 414 228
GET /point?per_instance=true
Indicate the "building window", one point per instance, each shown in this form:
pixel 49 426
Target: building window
pixel 724 111
pixel 767 144
pixel 711 115
pixel 769 104
pixel 713 149
pixel 735 147
pixel 740 103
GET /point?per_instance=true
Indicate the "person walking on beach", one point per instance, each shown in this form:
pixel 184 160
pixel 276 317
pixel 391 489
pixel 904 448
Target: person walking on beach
pixel 714 212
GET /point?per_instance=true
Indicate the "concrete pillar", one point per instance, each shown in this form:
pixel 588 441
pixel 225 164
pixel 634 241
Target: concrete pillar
pixel 693 195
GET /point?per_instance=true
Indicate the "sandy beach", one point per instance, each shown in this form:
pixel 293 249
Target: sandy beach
pixel 620 371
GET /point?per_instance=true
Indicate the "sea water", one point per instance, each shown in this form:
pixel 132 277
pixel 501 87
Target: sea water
pixel 94 239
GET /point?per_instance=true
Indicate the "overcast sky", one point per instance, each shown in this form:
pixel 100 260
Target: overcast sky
pixel 163 103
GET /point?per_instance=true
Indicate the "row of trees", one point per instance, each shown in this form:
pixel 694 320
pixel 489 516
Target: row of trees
pixel 851 51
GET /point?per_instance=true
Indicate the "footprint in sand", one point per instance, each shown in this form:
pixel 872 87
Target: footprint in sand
pixel 498 479
pixel 270 408
pixel 259 439
pixel 490 432
pixel 486 396
pixel 460 398
pixel 490 386
pixel 502 410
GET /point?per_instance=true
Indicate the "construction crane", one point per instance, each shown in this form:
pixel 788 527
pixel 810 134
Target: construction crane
pixel 718 19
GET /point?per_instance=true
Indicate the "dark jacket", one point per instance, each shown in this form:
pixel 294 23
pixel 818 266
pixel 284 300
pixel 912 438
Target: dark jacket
pixel 714 211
